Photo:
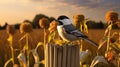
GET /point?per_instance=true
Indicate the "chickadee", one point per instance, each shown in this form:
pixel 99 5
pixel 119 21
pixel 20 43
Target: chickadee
pixel 68 32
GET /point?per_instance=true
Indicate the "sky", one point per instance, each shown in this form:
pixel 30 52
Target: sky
pixel 16 11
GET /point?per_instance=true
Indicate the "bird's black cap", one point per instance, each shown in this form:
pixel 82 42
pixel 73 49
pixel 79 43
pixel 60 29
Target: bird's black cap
pixel 62 17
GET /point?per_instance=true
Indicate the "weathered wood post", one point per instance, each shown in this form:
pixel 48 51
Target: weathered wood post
pixel 62 56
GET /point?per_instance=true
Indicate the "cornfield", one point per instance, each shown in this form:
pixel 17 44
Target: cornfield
pixel 36 37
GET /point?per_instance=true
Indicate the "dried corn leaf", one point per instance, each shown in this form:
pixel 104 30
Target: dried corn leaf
pixel 36 57
pixel 22 37
pixel 60 42
pixel 51 36
pixel 116 46
pixel 84 55
pixel 43 61
pixel 108 30
pixel 25 47
pixel 22 60
pixel 98 59
pixel 102 42
pixel 85 27
pixel 7 62
pixel 39 44
pixel 10 39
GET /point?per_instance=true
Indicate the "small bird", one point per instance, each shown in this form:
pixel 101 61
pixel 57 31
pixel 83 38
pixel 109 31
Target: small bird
pixel 69 33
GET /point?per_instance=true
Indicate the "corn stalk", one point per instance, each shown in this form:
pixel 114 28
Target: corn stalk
pixel 45 40
pixel 35 55
pixel 119 37
pixel 27 48
pixel 10 40
pixel 108 33
pixel 7 62
pixel 83 28
pixel 51 36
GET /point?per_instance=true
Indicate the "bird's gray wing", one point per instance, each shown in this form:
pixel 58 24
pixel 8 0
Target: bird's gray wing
pixel 77 33
pixel 84 37
pixel 70 29
pixel 73 31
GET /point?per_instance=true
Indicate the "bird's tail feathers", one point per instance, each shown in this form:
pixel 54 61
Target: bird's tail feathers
pixel 90 41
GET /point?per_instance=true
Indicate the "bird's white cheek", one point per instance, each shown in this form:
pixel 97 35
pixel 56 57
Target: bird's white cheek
pixel 65 21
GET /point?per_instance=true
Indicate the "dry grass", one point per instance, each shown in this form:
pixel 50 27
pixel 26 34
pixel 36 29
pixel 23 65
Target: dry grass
pixel 37 36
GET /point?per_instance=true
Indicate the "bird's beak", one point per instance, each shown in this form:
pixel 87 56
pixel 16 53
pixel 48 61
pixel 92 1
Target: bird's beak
pixel 59 23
